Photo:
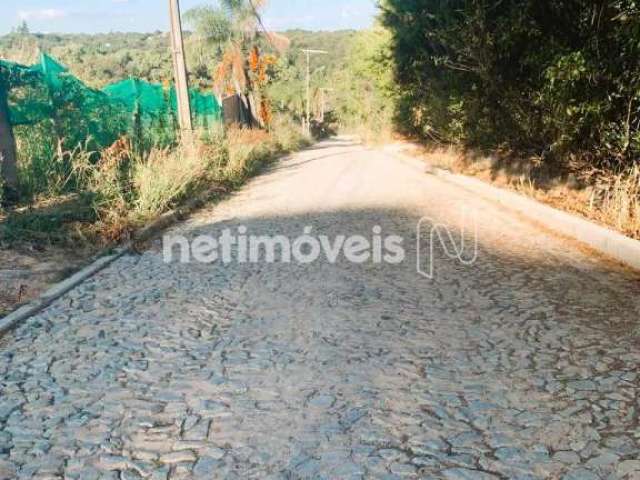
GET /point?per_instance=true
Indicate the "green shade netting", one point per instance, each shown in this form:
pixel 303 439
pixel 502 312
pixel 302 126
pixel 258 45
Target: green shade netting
pixel 139 96
pixel 48 91
pixel 52 71
pixel 153 100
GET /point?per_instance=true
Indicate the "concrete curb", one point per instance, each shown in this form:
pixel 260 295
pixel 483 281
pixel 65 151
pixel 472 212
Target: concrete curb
pixel 173 216
pixel 12 320
pixel 47 298
pixel 603 240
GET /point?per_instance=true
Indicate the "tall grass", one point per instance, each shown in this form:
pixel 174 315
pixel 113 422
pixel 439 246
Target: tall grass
pixel 42 170
pixel 610 198
pixel 615 199
pixel 167 176
pixel 126 189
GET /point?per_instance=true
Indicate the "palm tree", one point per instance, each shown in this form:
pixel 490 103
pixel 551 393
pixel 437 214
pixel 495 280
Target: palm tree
pixel 232 28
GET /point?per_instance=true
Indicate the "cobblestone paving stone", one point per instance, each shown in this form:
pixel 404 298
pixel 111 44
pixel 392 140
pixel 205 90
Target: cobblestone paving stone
pixel 523 366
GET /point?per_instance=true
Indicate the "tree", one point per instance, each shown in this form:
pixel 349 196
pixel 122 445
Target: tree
pixel 232 27
pixel 212 24
pixel 365 96
pixel 548 79
pixel 23 28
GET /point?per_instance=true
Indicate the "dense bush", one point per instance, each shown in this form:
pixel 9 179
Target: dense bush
pixel 557 80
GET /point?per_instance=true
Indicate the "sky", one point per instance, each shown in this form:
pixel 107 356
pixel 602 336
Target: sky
pixel 91 16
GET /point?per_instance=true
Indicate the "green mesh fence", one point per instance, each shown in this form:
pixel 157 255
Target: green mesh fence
pixel 48 93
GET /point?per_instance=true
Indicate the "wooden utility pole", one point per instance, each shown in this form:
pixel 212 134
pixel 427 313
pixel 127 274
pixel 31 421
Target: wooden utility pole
pixel 323 102
pixel 180 69
pixel 308 116
pixel 307 124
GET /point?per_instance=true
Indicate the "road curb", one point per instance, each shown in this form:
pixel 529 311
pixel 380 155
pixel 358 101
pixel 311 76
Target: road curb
pixel 13 319
pixel 601 239
pixel 165 220
pixel 604 240
pixel 174 216
pixel 9 322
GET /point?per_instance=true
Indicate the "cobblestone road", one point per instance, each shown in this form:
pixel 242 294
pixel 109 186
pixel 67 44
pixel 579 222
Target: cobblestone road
pixel 523 366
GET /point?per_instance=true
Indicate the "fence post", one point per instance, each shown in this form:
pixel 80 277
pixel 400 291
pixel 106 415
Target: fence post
pixel 8 153
pixel 55 118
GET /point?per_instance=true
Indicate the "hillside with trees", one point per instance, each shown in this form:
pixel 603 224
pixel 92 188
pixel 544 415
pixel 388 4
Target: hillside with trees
pixel 106 58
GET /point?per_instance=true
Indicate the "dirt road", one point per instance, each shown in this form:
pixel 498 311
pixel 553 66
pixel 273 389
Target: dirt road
pixel 524 365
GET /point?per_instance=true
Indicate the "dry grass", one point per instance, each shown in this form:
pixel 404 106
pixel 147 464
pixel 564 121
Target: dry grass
pixel 167 176
pixel 381 136
pixel 611 199
pixel 125 190
pixel 615 200
pixel 247 150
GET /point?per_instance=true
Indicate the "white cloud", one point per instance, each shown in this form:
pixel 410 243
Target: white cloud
pixel 42 14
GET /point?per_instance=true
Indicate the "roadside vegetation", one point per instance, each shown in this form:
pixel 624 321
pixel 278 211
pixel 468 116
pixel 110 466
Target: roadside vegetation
pixel 83 200
pixel 542 97
pixel 75 189
pixel 544 93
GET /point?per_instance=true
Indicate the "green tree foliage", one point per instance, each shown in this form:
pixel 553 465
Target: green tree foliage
pixel 556 79
pixel 213 28
pixel 98 59
pixel 366 94
pixel 210 23
pixel 22 29
pixel 358 66
pixel 289 85
pixel 355 74
pixel 229 28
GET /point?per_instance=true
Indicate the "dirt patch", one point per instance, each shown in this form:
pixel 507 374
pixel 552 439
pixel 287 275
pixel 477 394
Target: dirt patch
pixel 41 244
pixel 27 272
